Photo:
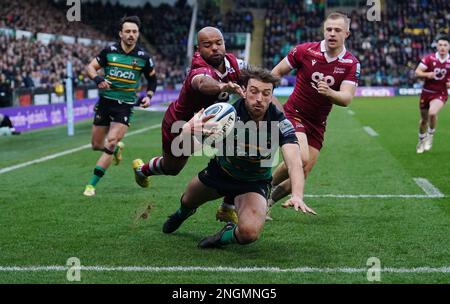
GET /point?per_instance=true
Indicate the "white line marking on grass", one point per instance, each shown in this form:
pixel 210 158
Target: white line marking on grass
pixel 428 187
pixel 152 269
pixel 350 112
pixel 370 131
pixel 59 154
pixel 371 196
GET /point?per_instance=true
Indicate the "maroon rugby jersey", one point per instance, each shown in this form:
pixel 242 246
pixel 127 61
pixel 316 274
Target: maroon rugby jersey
pixel 191 101
pixel 441 68
pixel 312 65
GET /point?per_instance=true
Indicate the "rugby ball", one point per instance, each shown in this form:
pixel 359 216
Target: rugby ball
pixel 225 115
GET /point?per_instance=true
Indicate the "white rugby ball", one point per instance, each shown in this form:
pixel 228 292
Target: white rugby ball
pixel 225 115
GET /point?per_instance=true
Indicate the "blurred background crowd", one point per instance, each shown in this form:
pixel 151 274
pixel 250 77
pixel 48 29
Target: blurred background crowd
pixel 389 50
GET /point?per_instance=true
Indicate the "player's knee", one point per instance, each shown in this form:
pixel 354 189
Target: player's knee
pixel 432 115
pixel 112 141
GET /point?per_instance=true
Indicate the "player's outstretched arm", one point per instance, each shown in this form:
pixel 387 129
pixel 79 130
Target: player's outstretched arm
pixel 291 155
pixel 210 86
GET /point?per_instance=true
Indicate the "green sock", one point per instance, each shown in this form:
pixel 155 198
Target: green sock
pixel 98 174
pixel 185 212
pixel 228 236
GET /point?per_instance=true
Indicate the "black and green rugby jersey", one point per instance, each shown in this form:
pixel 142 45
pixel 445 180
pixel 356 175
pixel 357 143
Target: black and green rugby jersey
pixel 124 71
pixel 250 157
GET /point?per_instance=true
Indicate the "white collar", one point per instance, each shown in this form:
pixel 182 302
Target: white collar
pixel 323 49
pixel 439 57
pixel 227 67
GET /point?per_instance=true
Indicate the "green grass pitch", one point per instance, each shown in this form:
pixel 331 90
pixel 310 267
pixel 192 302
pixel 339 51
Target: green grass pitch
pixel 45 219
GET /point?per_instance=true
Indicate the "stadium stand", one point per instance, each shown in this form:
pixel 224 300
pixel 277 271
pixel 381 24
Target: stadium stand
pixel 389 49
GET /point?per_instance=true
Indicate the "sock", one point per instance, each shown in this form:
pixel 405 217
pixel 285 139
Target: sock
pixel 228 206
pixel 185 212
pixel 431 131
pixel 98 174
pixel 270 202
pixel 228 237
pixel 153 167
pixel 422 135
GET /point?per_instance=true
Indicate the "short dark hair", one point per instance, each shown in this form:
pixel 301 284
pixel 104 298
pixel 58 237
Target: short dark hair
pixel 442 37
pixel 258 73
pixel 132 19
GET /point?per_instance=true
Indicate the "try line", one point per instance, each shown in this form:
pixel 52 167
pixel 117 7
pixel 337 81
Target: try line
pixel 156 269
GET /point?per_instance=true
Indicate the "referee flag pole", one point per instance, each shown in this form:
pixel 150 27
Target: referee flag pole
pixel 69 96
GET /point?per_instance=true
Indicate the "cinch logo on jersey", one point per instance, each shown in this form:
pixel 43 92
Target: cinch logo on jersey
pixel 317 76
pixel 116 72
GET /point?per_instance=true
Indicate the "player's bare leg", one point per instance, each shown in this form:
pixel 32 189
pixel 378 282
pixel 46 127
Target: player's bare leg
pixel 194 196
pixel 114 134
pixel 98 137
pixel 423 125
pixel 251 210
pixel 435 106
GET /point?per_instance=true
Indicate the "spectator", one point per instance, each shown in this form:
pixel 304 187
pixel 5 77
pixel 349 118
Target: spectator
pixel 6 126
pixel 5 91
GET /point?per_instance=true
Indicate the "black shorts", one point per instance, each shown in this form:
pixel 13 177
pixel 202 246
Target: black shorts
pixel 110 110
pixel 214 177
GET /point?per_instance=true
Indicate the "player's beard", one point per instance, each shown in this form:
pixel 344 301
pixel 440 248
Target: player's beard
pixel 129 42
pixel 215 61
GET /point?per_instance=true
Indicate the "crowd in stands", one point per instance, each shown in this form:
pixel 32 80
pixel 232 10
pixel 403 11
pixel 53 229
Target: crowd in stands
pixel 42 16
pixel 389 50
pixel 164 32
pixel 233 21
pixel 288 23
pixel 26 63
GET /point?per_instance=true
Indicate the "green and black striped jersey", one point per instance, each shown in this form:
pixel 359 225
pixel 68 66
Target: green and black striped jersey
pixel 124 71
pixel 252 151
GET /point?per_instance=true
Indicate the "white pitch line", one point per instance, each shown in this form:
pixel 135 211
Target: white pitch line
pixel 370 131
pixel 428 187
pixel 153 269
pixel 373 196
pixel 59 154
